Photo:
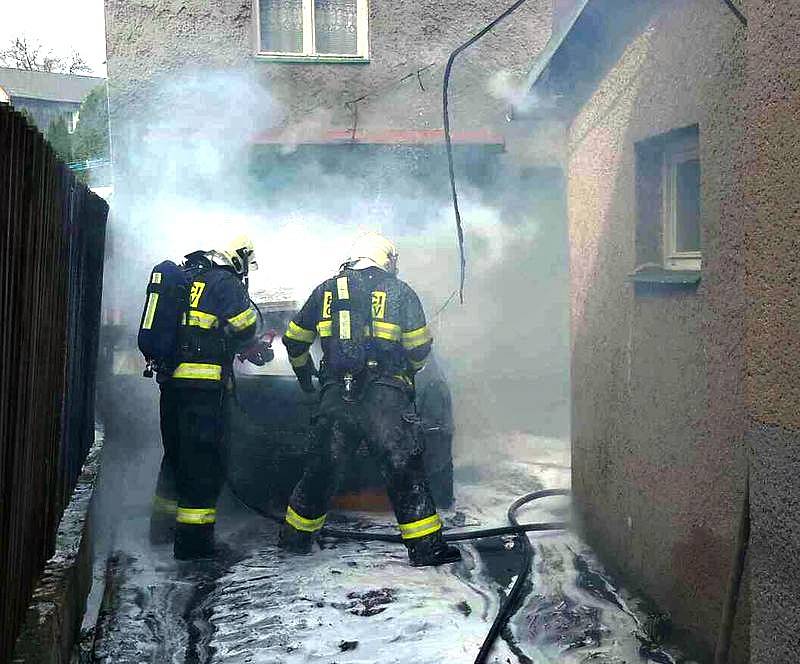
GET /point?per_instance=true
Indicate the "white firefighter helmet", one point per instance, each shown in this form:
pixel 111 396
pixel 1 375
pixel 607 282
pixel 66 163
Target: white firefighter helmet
pixel 373 250
pixel 239 254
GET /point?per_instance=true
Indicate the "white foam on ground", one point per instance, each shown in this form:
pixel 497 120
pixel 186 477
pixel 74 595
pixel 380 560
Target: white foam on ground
pixel 272 608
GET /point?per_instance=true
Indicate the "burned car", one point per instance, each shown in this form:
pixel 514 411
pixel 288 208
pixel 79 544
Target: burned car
pixel 271 423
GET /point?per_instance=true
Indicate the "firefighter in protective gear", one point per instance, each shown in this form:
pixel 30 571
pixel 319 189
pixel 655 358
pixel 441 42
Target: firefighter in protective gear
pixel 219 323
pixel 374 339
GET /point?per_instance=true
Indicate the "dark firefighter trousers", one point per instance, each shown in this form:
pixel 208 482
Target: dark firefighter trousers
pixel 193 429
pixel 384 416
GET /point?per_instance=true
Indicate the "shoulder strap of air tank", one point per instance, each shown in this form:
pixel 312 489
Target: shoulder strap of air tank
pixel 196 263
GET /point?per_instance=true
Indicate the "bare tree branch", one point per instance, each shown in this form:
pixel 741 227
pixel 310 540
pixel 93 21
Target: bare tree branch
pixel 77 64
pixel 24 54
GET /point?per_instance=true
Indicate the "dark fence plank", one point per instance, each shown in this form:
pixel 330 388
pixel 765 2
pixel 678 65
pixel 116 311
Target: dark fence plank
pixel 52 243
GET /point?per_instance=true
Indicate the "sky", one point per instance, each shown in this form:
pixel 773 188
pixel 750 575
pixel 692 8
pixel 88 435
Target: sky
pixel 58 25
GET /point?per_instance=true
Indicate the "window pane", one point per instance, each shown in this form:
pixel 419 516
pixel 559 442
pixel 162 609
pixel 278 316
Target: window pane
pixel 336 26
pixel 687 221
pixel 281 26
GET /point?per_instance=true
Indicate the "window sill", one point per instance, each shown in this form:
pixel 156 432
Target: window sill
pixel 666 281
pixel 312 59
pixel 665 277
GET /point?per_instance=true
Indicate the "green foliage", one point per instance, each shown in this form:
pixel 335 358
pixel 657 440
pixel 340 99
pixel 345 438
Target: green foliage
pixel 25 113
pixel 60 139
pixel 90 140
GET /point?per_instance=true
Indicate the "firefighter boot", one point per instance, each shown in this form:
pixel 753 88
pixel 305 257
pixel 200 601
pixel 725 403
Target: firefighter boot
pixel 194 541
pixel 295 541
pixel 432 550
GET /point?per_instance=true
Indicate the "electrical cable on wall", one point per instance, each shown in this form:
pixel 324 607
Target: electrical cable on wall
pixel 738 12
pixel 448 143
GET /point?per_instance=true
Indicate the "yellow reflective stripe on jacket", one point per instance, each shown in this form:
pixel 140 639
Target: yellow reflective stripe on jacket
pixel 416 338
pixel 417 365
pixel 243 320
pixel 387 331
pixel 341 288
pixel 301 523
pixel 325 328
pixel 299 361
pixel 297 333
pixel 420 528
pixel 344 325
pixel 152 303
pixel 201 319
pixel 164 505
pixel 196 371
pixel 196 516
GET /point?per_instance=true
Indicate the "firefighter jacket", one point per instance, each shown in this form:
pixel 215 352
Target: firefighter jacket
pixel 391 336
pixel 219 321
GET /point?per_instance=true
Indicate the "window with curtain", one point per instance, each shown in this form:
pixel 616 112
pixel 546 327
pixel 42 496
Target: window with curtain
pixel 281 26
pixel 313 28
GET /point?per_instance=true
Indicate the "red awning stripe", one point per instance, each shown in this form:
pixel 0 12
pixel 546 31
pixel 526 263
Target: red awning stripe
pixel 345 136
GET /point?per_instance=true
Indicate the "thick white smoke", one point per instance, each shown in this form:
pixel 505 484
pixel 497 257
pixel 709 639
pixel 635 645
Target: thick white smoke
pixel 194 171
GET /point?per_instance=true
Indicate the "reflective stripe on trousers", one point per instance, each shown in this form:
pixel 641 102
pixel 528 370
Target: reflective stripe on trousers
pixel 302 523
pixel 420 528
pixel 196 515
pixel 164 505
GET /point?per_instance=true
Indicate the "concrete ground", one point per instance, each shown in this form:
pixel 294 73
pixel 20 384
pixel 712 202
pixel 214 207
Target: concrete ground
pixel 362 603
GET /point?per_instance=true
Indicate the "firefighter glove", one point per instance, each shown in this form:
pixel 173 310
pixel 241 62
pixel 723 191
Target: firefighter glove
pixel 259 352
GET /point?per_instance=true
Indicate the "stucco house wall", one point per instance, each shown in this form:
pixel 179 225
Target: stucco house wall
pixel 658 407
pixel 147 42
pixel 772 376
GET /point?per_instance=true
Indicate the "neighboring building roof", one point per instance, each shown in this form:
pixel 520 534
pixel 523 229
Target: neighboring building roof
pixel 70 88
pixel 555 42
pixel 590 41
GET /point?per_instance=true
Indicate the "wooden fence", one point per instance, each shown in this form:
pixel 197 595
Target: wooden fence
pixel 52 243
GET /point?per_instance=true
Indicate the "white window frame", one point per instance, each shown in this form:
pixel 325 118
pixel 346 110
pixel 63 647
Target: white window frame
pixel 72 121
pixel 676 153
pixel 309 53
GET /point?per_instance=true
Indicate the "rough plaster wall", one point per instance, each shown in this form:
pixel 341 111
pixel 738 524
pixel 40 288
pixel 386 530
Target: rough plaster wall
pixel 146 40
pixel 772 220
pixel 773 237
pixel 658 460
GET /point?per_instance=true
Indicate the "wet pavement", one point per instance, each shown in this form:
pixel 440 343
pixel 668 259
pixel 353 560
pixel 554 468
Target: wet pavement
pixel 360 602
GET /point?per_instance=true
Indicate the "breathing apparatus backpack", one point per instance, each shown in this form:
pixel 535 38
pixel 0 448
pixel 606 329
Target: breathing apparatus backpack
pixel 351 315
pixel 166 302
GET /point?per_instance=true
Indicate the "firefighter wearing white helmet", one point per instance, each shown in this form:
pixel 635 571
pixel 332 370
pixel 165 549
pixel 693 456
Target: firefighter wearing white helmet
pixel 218 322
pixel 240 255
pixel 373 250
pixel 374 340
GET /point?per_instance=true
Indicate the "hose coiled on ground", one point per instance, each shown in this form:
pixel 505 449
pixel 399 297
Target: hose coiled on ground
pixel 516 528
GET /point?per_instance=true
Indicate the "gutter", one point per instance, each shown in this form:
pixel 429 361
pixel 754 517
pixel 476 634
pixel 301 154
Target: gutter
pixel 555 42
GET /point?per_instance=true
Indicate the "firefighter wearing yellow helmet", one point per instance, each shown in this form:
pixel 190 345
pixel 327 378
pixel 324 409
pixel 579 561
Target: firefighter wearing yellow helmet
pixel 216 322
pixel 374 340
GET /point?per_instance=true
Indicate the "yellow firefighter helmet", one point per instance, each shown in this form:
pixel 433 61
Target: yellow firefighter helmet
pixel 373 250
pixel 240 255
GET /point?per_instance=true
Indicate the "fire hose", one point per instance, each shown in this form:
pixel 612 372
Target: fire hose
pixel 511 602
